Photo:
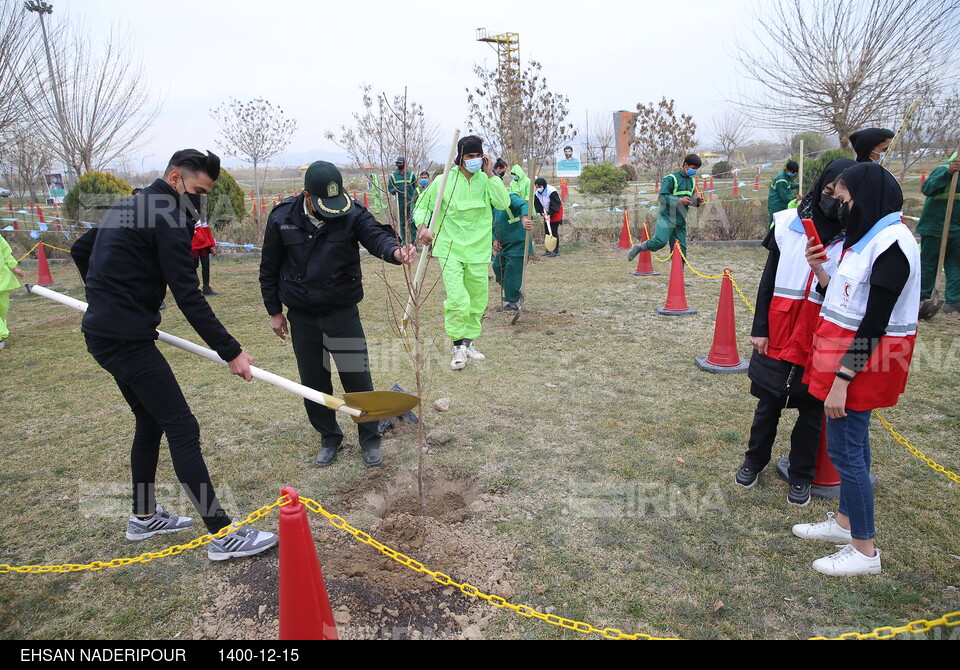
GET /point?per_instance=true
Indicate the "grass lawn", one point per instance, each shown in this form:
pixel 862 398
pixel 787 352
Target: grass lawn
pixel 607 459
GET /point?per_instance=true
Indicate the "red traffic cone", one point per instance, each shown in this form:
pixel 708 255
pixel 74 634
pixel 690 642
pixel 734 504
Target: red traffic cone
pixel 44 278
pixel 644 260
pixel 305 612
pixel 656 185
pixel 923 178
pixel 263 205
pixel 564 190
pixel 756 184
pixel 736 183
pixel 365 205
pixel 40 214
pixel 676 295
pixel 10 207
pixel 625 240
pixel 723 356
pixel 826 479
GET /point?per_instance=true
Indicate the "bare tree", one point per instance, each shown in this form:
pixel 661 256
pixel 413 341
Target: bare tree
pixel 540 120
pixel 933 130
pixel 600 137
pixel 25 158
pixel 730 132
pixel 661 139
pixel 17 51
pixel 107 105
pixel 835 66
pixel 254 131
pixel 385 130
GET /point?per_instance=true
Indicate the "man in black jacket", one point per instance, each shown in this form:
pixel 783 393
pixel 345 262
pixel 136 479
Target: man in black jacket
pixel 141 247
pixel 311 264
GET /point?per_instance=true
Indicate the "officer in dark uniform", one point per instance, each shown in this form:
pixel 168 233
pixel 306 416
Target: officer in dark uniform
pixel 311 264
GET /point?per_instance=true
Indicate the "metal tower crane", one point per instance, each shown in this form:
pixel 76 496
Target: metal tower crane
pixel 507 46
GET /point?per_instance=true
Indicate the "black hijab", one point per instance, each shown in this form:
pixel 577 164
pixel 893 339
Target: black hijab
pixel 827 227
pixel 875 194
pixel 866 140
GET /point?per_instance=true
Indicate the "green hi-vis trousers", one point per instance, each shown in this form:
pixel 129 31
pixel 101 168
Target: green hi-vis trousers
pixel 509 273
pixel 467 289
pixel 4 308
pixel 667 233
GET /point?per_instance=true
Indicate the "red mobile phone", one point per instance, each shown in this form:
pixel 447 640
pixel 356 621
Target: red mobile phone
pixel 811 231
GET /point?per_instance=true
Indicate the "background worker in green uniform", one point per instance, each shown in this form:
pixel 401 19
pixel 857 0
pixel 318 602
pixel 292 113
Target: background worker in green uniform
pixel 930 230
pixel 509 233
pixel 521 182
pixel 403 184
pixel 783 189
pixel 464 238
pixel 677 195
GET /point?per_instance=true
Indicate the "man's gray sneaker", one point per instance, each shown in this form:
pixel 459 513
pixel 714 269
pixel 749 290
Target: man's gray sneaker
pixel 161 522
pixel 243 542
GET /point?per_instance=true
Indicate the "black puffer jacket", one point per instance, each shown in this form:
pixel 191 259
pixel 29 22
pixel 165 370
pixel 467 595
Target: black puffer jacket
pixel 318 269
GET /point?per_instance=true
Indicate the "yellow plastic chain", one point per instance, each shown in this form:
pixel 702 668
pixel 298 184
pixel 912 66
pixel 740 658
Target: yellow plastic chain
pixel 29 252
pixel 913 450
pixel 890 632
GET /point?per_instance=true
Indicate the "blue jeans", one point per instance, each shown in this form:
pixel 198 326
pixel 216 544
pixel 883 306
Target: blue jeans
pixel 848 443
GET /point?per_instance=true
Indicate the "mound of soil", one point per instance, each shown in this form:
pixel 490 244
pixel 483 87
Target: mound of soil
pixel 373 596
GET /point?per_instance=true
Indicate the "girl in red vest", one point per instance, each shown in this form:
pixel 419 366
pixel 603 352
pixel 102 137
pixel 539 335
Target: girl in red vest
pixel 203 246
pixel 861 351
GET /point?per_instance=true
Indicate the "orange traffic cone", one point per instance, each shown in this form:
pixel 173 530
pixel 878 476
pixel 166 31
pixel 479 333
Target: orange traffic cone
pixel 626 241
pixel 40 214
pixel 564 190
pixel 826 479
pixel 44 278
pixel 723 356
pixel 365 205
pixel 923 179
pixel 676 295
pixel 644 260
pixel 756 184
pixel 305 612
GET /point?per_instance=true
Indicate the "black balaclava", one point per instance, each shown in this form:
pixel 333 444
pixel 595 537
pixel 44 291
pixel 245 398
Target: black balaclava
pixel 866 140
pixel 471 144
pixel 828 227
pixel 875 193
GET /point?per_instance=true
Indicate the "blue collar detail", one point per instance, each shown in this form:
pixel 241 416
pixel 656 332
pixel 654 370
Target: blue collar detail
pixel 890 219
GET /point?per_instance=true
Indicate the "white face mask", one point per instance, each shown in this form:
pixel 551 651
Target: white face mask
pixel 539 190
pixel 880 155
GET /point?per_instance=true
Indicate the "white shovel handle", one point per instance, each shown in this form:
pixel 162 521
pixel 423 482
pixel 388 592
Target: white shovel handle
pixel 269 377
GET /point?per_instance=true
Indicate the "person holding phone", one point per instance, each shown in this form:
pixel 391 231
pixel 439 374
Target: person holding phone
pixel 862 350
pixel 786 313
pixel 464 237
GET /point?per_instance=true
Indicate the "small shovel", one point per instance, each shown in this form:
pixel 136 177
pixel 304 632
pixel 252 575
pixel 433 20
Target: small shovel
pixel 930 306
pixel 362 406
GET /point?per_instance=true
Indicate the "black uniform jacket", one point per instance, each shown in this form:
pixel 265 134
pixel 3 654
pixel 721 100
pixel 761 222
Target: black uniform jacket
pixel 140 247
pixel 318 269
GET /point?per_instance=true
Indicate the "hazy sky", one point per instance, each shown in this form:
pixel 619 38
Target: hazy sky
pixel 311 57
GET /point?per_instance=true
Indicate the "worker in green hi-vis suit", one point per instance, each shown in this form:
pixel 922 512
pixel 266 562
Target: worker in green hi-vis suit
pixel 403 184
pixel 521 182
pixel 509 233
pixel 783 189
pixel 677 196
pixel 376 191
pixel 464 238
pixel 930 230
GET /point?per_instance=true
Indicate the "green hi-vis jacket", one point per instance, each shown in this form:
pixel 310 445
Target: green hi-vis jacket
pixel 508 229
pixel 404 184
pixel 520 186
pixel 937 188
pixel 781 192
pixel 8 280
pixel 673 187
pixel 463 231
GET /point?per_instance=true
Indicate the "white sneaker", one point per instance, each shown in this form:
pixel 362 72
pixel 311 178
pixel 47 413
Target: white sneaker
pixel 848 562
pixel 828 531
pixel 3 344
pixel 459 361
pixel 473 353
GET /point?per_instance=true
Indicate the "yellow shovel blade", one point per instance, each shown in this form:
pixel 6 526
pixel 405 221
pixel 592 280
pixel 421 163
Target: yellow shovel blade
pixel 377 405
pixel 549 242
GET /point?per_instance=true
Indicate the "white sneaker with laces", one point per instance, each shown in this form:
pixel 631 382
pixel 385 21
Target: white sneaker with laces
pixel 473 353
pixel 828 531
pixel 459 361
pixel 848 562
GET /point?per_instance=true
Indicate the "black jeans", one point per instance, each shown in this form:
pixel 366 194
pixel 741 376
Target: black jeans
pixel 149 387
pixel 203 261
pixel 316 337
pixel 804 440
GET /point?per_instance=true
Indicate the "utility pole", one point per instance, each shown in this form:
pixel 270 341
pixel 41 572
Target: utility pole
pixel 42 8
pixel 507 46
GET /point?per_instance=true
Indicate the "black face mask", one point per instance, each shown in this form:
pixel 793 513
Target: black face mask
pixel 193 204
pixel 843 211
pixel 829 206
